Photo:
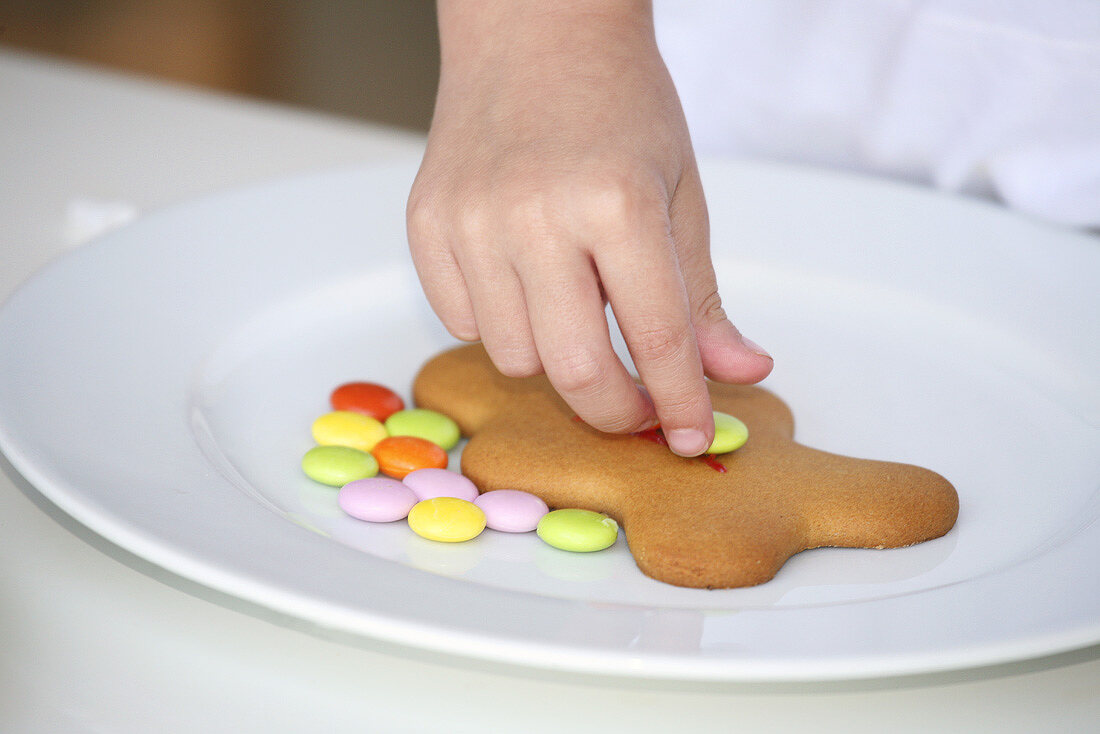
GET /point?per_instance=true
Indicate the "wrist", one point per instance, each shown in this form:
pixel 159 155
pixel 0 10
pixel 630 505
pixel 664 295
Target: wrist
pixel 486 34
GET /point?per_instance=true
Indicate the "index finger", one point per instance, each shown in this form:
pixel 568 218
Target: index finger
pixel 649 299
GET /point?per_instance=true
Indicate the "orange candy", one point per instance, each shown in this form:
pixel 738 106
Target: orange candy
pixel 377 401
pixel 399 455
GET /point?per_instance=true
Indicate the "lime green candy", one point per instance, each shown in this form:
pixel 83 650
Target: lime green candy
pixel 730 434
pixel 338 465
pixel 580 531
pixel 426 424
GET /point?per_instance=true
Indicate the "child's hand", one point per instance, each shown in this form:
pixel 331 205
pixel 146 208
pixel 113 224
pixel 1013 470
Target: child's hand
pixel 559 173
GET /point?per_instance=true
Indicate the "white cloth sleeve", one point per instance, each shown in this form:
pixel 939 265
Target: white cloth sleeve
pixel 998 98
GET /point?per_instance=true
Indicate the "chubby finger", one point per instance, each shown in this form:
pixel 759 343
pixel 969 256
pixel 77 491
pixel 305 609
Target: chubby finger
pixel 500 309
pixel 569 325
pixel 650 302
pixel 439 273
pixel 727 356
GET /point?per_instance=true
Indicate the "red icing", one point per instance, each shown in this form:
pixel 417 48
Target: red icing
pixel 712 462
pixel 655 435
pixel 658 437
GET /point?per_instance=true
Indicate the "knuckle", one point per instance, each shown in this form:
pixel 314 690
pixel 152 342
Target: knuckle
pixel 522 369
pixel 615 200
pixel 607 202
pixel 709 308
pixel 679 408
pixel 538 218
pixel 622 422
pixel 577 371
pixel 621 200
pixel 529 207
pixel 659 343
pixel 474 222
pixel 516 361
pixel 421 216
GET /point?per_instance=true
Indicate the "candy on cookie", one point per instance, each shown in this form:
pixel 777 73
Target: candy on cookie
pixel 685 523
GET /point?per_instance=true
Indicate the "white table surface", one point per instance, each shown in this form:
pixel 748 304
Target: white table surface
pixel 94 639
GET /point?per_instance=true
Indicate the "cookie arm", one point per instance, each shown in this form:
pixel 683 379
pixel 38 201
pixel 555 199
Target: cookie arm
pixel 464 384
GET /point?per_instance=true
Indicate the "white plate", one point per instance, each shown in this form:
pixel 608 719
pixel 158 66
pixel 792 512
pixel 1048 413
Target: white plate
pixel 159 384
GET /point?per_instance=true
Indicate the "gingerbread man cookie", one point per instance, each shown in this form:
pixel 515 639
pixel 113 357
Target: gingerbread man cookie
pixel 685 522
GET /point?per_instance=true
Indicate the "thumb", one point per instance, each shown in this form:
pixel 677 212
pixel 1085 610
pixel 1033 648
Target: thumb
pixel 726 354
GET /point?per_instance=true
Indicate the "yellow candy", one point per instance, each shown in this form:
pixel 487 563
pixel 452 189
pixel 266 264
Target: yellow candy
pixel 447 519
pixel 345 428
pixel 730 434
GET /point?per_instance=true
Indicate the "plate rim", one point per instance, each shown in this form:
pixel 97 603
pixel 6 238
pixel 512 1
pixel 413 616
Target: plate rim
pixel 608 663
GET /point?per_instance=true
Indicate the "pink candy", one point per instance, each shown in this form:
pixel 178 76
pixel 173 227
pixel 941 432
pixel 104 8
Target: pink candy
pixel 376 499
pixel 381 499
pixel 431 483
pixel 511 510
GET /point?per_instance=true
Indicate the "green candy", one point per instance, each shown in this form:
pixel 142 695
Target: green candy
pixel 338 465
pixel 730 434
pixel 580 531
pixel 426 424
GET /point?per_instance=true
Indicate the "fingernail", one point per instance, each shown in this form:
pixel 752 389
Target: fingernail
pixel 686 441
pixel 755 348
